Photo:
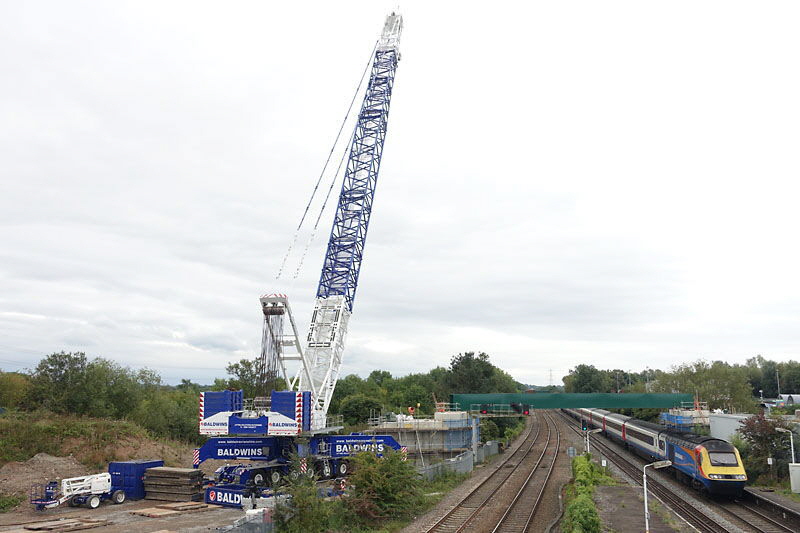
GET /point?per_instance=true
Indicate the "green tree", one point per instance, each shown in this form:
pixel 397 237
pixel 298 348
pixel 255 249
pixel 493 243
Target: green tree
pixel 474 374
pixel 489 430
pixel 13 388
pixel 345 387
pixel 357 408
pixel 245 377
pixel 587 378
pixel 170 413
pixel 384 487
pixel 380 377
pixel 59 383
pixel 762 441
pixel 722 385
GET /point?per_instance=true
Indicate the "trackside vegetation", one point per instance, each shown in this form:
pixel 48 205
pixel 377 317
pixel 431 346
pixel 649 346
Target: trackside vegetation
pixel 384 494
pixel 580 514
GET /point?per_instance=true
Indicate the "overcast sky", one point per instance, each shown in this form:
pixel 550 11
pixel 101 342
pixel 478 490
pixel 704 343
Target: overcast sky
pixel 611 183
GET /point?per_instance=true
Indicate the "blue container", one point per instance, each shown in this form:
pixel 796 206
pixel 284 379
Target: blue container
pixel 129 476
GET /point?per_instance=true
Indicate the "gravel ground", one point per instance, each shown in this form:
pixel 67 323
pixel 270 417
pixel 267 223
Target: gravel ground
pixel 621 509
pixel 123 520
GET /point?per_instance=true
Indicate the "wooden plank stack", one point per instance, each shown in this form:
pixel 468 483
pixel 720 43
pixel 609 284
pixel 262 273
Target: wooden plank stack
pixel 169 509
pixel 173 484
pixel 66 524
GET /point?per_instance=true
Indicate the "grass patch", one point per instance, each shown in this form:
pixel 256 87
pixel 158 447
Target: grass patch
pixel 24 434
pixel 8 502
pixel 789 494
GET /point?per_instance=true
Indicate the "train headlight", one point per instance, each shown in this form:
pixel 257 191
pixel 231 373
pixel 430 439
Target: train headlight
pixel 715 476
pixel 741 476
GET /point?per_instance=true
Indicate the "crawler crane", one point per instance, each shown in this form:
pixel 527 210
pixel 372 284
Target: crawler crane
pixel 276 426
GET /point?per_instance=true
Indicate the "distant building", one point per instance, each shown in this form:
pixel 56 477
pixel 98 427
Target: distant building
pixel 725 426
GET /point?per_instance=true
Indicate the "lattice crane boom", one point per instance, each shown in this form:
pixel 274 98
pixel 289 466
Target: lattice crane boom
pixel 322 349
pixel 339 279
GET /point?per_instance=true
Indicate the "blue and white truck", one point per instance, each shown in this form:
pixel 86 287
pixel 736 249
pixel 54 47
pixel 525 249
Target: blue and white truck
pixel 269 439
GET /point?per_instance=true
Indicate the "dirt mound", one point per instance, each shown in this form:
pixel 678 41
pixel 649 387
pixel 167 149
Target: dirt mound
pixel 17 477
pixel 128 448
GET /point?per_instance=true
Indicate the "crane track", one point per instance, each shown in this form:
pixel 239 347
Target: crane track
pixel 696 517
pixel 456 520
pixel 519 515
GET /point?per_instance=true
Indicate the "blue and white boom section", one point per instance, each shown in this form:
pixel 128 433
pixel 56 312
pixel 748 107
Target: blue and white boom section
pixel 339 279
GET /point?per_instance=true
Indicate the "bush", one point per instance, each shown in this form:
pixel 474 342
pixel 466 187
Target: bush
pixel 587 474
pixel 384 487
pixel 304 512
pixel 581 516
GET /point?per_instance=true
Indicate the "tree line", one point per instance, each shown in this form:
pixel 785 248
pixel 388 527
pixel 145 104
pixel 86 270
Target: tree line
pixel 71 383
pixel 733 387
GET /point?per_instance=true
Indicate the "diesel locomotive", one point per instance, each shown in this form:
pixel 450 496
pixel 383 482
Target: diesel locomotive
pixel 707 464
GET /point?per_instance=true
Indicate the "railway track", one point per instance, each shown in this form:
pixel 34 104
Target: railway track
pixel 755 518
pixel 739 512
pixel 465 512
pixel 519 515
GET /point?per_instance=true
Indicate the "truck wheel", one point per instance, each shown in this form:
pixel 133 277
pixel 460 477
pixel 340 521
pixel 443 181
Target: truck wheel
pixel 343 468
pixel 118 496
pixel 71 502
pixel 274 477
pixel 259 477
pixel 326 470
pixel 93 502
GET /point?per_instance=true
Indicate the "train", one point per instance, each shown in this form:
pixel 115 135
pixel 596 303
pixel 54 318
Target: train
pixel 707 464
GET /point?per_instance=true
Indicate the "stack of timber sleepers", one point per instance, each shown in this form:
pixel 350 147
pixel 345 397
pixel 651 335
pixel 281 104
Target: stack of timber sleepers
pixel 169 509
pixel 173 484
pixel 65 524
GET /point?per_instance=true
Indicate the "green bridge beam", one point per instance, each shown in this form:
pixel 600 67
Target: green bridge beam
pixel 548 400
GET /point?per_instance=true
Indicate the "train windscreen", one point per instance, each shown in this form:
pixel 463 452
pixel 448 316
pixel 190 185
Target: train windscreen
pixel 722 458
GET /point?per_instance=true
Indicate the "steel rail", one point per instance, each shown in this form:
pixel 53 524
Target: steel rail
pixel 768 525
pixel 507 521
pixel 460 515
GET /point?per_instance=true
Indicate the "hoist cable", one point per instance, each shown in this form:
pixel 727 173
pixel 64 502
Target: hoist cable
pixel 325 166
pixel 322 210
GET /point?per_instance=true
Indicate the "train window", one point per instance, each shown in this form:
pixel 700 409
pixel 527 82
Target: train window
pixel 661 444
pixel 640 436
pixel 722 459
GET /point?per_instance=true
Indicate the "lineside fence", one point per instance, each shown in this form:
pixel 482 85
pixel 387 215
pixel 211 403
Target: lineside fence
pixel 462 463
